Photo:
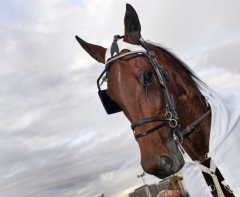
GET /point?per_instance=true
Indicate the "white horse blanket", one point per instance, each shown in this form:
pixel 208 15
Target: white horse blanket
pixel 224 145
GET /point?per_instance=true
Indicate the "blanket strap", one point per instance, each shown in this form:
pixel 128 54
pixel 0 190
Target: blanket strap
pixel 211 171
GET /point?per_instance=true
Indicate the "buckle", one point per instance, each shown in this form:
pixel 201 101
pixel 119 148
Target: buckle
pixel 152 54
pixel 171 121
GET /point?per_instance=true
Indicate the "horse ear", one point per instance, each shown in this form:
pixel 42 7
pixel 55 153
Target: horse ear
pixel 95 51
pixel 132 25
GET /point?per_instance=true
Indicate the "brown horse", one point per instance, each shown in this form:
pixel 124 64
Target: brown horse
pixel 139 94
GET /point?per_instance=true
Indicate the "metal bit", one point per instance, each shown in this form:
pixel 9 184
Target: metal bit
pixel 179 144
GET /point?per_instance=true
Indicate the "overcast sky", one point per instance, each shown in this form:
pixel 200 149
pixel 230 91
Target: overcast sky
pixel 55 137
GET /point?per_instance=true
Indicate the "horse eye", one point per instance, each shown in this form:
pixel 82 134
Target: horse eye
pixel 147 78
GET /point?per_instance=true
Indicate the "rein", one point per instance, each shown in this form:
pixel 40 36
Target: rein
pixel 189 128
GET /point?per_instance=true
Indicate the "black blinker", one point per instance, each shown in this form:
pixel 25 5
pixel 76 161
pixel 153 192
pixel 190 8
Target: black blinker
pixel 110 105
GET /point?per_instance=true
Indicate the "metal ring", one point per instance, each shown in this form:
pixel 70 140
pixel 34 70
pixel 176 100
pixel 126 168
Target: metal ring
pixel 175 137
pixel 178 136
pixel 173 123
pixel 212 187
pixel 168 114
pixel 228 189
pixel 152 54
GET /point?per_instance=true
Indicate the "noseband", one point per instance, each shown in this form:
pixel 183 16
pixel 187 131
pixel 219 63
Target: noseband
pixel 170 118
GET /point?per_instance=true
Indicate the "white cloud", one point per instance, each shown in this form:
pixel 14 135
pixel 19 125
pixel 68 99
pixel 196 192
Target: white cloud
pixel 223 56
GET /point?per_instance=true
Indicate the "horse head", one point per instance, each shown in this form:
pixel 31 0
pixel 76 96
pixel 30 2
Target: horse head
pixel 134 84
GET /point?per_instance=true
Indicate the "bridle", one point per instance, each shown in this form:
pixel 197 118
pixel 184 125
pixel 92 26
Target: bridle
pixel 171 117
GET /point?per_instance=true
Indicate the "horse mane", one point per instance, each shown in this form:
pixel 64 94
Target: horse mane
pixel 183 65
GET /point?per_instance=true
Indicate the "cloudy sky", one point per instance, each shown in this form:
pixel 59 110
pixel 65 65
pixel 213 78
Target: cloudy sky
pixel 55 137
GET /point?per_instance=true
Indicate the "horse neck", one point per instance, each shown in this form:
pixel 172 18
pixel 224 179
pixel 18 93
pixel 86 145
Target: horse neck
pixel 197 142
pixel 190 108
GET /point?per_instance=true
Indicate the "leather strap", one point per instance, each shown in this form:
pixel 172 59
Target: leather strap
pixel 194 124
pixel 120 56
pixel 146 120
pixel 151 130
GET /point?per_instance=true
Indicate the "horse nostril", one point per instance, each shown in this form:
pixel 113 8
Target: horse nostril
pixel 165 163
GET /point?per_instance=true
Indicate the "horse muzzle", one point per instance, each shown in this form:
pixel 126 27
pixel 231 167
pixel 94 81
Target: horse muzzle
pixel 163 165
